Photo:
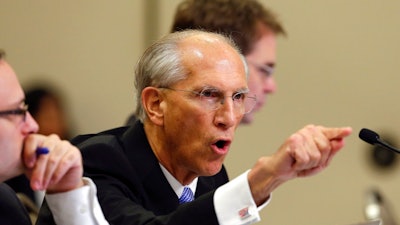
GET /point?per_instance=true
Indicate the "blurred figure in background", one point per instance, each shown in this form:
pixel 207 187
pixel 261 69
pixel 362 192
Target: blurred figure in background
pixel 47 108
pixel 254 29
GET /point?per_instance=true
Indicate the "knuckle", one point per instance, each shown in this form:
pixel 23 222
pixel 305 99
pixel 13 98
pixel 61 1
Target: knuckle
pixel 52 161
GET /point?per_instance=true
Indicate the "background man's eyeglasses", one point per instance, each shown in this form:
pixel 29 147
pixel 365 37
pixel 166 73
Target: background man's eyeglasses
pixel 213 99
pixel 19 112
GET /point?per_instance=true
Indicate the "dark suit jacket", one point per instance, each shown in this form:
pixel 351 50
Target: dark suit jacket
pixel 21 184
pixel 12 212
pixel 131 186
pixel 131 120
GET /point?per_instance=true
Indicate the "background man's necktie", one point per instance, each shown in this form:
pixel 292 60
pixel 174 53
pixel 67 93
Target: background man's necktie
pixel 187 195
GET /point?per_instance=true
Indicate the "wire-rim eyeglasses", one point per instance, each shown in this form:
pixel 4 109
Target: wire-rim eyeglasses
pixel 213 99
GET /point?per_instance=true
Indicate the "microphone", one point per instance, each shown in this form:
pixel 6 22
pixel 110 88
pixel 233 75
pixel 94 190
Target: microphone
pixel 373 138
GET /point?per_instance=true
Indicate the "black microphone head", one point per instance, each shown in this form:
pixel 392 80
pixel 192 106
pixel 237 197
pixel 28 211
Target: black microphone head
pixel 368 136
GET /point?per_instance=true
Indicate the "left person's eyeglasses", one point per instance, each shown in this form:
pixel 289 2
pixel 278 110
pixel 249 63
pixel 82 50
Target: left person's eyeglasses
pixel 18 112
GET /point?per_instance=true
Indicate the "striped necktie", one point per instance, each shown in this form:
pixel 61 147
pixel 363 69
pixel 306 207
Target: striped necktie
pixel 187 196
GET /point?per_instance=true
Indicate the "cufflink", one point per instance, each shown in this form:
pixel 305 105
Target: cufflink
pixel 244 213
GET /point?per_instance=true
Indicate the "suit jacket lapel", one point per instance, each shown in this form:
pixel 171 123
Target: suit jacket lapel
pixel 11 209
pixel 160 195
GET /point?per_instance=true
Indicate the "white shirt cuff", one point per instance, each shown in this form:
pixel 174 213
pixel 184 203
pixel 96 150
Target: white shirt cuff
pixel 234 203
pixel 78 206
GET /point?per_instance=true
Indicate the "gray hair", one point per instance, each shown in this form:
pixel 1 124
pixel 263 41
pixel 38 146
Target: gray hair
pixel 161 64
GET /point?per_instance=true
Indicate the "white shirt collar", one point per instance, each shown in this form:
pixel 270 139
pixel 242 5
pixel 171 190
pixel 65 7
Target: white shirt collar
pixel 178 187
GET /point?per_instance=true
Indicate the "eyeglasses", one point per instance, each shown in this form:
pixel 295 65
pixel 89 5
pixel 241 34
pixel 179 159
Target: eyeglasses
pixel 212 99
pixel 19 112
pixel 265 69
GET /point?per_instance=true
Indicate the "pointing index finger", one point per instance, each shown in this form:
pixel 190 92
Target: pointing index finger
pixel 337 133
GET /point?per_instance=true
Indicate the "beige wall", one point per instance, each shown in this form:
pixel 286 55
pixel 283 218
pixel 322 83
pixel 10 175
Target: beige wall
pixel 339 66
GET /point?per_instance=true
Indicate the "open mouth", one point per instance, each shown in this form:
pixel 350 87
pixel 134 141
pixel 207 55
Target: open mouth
pixel 221 146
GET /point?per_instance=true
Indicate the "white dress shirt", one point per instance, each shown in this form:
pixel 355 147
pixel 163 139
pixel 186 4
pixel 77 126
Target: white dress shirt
pixel 77 207
pixel 81 206
pixel 233 201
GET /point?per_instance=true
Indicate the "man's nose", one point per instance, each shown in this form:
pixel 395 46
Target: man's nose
pixel 227 114
pixel 269 85
pixel 30 124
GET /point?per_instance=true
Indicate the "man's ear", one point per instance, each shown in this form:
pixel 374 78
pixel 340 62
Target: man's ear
pixel 152 99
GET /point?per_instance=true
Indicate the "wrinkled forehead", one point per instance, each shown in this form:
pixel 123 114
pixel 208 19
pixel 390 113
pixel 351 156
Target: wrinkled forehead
pixel 214 53
pixel 214 63
pixel 212 47
pixel 11 93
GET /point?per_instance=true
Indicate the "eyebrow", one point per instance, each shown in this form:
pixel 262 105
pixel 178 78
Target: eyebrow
pixel 16 105
pixel 21 102
pixel 241 90
pixel 270 64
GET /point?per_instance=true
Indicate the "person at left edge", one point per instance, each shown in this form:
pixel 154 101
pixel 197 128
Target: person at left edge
pixel 58 170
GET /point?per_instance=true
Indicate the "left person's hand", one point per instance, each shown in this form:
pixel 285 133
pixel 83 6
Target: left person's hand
pixel 60 170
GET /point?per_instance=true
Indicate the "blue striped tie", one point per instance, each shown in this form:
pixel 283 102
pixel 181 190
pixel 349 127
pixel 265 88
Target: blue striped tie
pixel 187 196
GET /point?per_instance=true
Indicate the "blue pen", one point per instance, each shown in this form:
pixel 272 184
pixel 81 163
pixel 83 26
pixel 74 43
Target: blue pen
pixel 41 151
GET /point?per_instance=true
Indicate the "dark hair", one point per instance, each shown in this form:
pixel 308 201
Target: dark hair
pixel 34 96
pixel 2 54
pixel 238 19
